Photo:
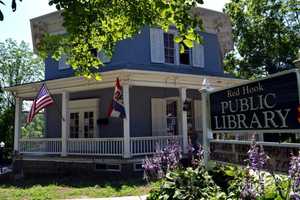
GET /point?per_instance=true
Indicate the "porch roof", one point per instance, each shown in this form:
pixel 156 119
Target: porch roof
pixel 131 77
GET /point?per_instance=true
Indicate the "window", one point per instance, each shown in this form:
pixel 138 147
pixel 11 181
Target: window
pixel 185 58
pixel 169 48
pixel 190 117
pixel 172 127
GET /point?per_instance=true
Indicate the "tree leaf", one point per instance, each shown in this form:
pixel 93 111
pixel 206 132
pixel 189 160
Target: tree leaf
pixel 178 39
pixel 188 43
pixel 13 5
pixel 1 16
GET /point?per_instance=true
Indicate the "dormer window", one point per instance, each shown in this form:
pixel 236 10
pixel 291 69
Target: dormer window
pixel 163 49
pixel 169 48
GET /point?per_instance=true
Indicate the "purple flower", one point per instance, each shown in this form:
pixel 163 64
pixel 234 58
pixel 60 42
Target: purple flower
pixel 257 157
pixel 294 176
pixel 163 160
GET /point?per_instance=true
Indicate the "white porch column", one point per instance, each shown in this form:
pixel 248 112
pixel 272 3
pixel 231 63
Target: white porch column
pixel 126 122
pixel 18 111
pixel 184 131
pixel 64 123
pixel 206 129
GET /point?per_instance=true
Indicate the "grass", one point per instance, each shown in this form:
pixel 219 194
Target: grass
pixel 45 189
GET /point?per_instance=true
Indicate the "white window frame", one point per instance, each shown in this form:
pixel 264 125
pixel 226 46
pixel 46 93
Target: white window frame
pixel 176 48
pixel 81 106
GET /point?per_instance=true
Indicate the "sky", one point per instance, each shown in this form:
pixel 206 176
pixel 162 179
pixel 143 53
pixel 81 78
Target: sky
pixel 16 24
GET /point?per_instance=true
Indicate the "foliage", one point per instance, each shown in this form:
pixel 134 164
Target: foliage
pixel 188 184
pixel 163 160
pixel 258 180
pixel 180 183
pixel 13 7
pixel 97 25
pixel 6 130
pixel 36 128
pixel 266 36
pixel 41 188
pixel 18 65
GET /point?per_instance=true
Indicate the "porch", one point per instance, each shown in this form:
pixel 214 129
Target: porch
pixel 154 114
pixel 110 147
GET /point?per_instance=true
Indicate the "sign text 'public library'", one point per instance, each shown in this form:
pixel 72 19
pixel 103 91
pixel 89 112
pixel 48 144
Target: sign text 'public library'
pixel 268 104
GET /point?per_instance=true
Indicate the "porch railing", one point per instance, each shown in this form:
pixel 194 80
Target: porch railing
pixel 95 146
pixel 40 145
pixel 148 145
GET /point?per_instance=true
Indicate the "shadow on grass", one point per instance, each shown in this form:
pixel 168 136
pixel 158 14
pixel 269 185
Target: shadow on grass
pixel 74 182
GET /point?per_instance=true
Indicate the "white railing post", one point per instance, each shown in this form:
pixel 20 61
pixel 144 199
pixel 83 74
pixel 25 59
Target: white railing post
pixel 184 131
pixel 126 122
pixel 18 111
pixel 205 121
pixel 64 123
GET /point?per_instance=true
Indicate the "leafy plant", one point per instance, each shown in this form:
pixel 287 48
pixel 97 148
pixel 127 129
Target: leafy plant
pixel 188 184
pixel 163 160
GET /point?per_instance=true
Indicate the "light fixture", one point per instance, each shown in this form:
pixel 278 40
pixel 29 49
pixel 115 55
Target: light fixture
pixel 186 105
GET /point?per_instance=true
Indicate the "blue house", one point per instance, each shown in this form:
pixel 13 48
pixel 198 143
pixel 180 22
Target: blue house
pixel 156 81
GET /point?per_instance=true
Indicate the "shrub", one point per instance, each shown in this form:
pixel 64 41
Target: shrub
pixel 189 184
pixel 163 160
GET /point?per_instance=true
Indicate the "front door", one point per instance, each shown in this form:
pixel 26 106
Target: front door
pixel 82 124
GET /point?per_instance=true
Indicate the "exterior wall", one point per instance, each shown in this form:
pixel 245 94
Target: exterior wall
pixel 53 118
pixel 135 54
pixel 115 126
pixel 140 110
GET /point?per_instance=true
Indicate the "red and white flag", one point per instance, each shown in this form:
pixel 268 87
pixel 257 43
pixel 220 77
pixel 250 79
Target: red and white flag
pixel 42 100
pixel 116 108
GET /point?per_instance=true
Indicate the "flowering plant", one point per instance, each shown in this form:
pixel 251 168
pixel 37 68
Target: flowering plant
pixel 164 159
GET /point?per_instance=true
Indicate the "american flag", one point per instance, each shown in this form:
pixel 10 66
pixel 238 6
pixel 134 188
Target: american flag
pixel 42 100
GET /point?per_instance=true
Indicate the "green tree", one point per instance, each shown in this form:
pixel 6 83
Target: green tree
pixel 18 65
pixel 266 36
pixel 97 25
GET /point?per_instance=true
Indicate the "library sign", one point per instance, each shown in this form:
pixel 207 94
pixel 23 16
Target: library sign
pixel 268 104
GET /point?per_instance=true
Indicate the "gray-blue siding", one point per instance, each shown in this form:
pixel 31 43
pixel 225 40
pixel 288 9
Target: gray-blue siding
pixel 140 110
pixel 135 54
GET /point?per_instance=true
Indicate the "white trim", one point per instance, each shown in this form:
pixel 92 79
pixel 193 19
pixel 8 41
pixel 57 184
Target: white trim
pixel 85 105
pixel 126 121
pixel 135 77
pixel 64 123
pixel 272 144
pixel 205 125
pixel 17 132
pixel 184 129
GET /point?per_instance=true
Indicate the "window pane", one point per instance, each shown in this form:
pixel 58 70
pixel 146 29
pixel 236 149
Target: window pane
pixel 185 57
pixel 169 47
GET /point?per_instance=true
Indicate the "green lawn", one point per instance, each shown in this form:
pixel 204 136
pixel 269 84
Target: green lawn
pixel 60 189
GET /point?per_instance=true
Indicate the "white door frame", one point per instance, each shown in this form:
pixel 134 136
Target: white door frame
pixel 85 105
